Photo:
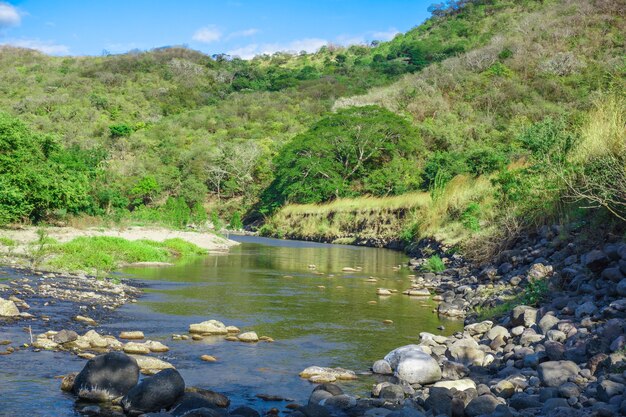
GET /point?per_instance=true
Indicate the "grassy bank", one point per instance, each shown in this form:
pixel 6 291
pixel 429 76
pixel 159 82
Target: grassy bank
pixel 451 213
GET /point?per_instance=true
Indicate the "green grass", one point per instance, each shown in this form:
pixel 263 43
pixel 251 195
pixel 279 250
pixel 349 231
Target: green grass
pixel 104 253
pixel 434 264
pixel 8 242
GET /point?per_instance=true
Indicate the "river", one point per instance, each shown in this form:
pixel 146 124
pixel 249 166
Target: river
pixel 320 316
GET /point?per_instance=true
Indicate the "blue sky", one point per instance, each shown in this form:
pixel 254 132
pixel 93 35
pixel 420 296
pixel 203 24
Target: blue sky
pixel 236 27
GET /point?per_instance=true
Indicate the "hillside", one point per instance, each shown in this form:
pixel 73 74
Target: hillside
pixel 500 90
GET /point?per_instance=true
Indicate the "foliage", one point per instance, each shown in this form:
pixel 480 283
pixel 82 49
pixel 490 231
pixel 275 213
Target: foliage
pixel 235 221
pixel 103 253
pixel 353 152
pixel 434 264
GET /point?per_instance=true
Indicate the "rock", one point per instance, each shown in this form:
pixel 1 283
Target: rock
pixel 193 401
pixel 523 316
pixel 337 373
pixel 596 260
pixel 455 308
pixel 382 367
pixel 586 309
pixel 86 320
pixel 454 370
pixel 67 383
pixel 539 271
pixel 479 328
pixel 504 389
pixel 136 348
pixel 612 274
pixel 459 385
pixel 248 337
pixel 548 322
pixel 107 376
pixel 245 411
pixel 150 365
pixel 522 401
pixel 418 368
pixel 44 343
pixel 132 335
pixel 8 308
pixel 392 392
pixel 568 390
pixel 232 329
pixel 156 347
pixel 621 288
pixel 383 291
pixel 94 339
pixel 318 396
pixel 314 410
pixel 65 336
pixel 155 393
pixel 439 401
pixel 418 292
pixel 498 331
pixel 554 403
pixel 466 351
pixel 395 356
pixel 554 350
pixel 341 402
pixel 485 404
pixel 556 373
pixel 208 358
pixel 208 327
pixel 215 398
pixel 607 389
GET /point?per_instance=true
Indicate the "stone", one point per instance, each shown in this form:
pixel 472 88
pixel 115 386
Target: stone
pixel 439 401
pixel 595 260
pixel 44 343
pixel 337 373
pixel 155 393
pixel 556 373
pixel 479 328
pixel 548 322
pixel 65 336
pixel 215 398
pixel 485 404
pixel 392 392
pixel 67 383
pixel 208 358
pixel 151 365
pixel 504 389
pixel 568 390
pixel 498 331
pixel 612 274
pixel 621 288
pixel 136 348
pixel 455 308
pixel 318 396
pixel 107 376
pixel 382 367
pixel 193 401
pixel 383 291
pixel 459 385
pixel 248 337
pixel 87 320
pixel 418 368
pixel 395 356
pixel 418 292
pixel 539 271
pixel 607 389
pixel 523 316
pixel 212 327
pixel 466 351
pixel 554 403
pixel 554 350
pixel 8 308
pixel 334 389
pixel 522 401
pixel 245 411
pixel 556 336
pixel 132 335
pixel 586 309
pixel 454 370
pixel 156 347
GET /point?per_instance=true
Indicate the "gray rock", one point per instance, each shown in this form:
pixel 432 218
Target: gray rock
pixel 556 373
pixel 568 390
pixel 454 370
pixel 439 401
pixel 556 335
pixel 523 316
pixel 479 328
pixel 418 368
pixel 554 350
pixel 8 308
pixel 155 393
pixel 621 288
pixel 548 322
pixel 554 403
pixel 65 336
pixel 523 401
pixel 466 351
pixel 485 404
pixel 596 260
pixel 607 389
pixel 382 367
pixel 342 402
pixel 498 331
pixel 392 392
pixel 107 376
pixel 318 396
pixel 586 309
pixel 612 274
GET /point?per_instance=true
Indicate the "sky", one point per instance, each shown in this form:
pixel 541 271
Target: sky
pixel 235 27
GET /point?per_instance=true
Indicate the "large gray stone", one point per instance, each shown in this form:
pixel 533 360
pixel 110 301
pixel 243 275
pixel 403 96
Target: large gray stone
pixel 523 316
pixel 485 404
pixel 8 308
pixel 466 351
pixel 155 393
pixel 418 368
pixel 107 376
pixel 556 373
pixel 596 260
pixel 382 367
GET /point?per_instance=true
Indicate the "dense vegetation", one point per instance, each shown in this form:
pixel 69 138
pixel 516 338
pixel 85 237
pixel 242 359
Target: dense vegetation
pixel 513 106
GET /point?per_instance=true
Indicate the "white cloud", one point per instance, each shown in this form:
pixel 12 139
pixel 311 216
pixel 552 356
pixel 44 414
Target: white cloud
pixel 243 33
pixel 347 40
pixel 250 51
pixel 47 47
pixel 385 35
pixel 9 16
pixel 207 34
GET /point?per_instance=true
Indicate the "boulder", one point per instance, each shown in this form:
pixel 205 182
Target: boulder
pixel 523 316
pixel 382 367
pixel 248 337
pixel 215 398
pixel 608 389
pixel 418 368
pixel 621 288
pixel 208 327
pixel 479 328
pixel 498 331
pixel 337 373
pixel 467 352
pixel 107 376
pixel 556 373
pixel 8 308
pixel 65 336
pixel 341 402
pixel 483 405
pixel 151 365
pixel 596 260
pixel 548 322
pixel 459 385
pixel 391 392
pixel 193 401
pixel 454 370
pixel 154 393
pixel 395 356
pixel 136 348
pixel 132 335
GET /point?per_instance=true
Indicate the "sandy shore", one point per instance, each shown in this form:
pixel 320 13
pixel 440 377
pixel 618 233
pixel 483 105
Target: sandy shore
pixel 208 241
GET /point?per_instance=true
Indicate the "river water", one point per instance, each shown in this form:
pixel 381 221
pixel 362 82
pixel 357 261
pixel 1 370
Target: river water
pixel 320 316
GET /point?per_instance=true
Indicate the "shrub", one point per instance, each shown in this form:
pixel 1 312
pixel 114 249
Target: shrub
pixel 235 221
pixel 434 264
pixel 120 130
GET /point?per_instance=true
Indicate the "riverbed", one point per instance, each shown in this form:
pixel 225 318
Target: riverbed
pixel 295 292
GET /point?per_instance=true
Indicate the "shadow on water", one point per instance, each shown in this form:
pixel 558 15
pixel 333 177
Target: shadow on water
pixel 320 316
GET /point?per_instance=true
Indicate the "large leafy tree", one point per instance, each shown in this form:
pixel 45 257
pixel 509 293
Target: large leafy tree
pixel 360 150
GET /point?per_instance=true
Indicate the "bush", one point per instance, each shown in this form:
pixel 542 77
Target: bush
pixel 434 264
pixel 235 221
pixel 120 130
